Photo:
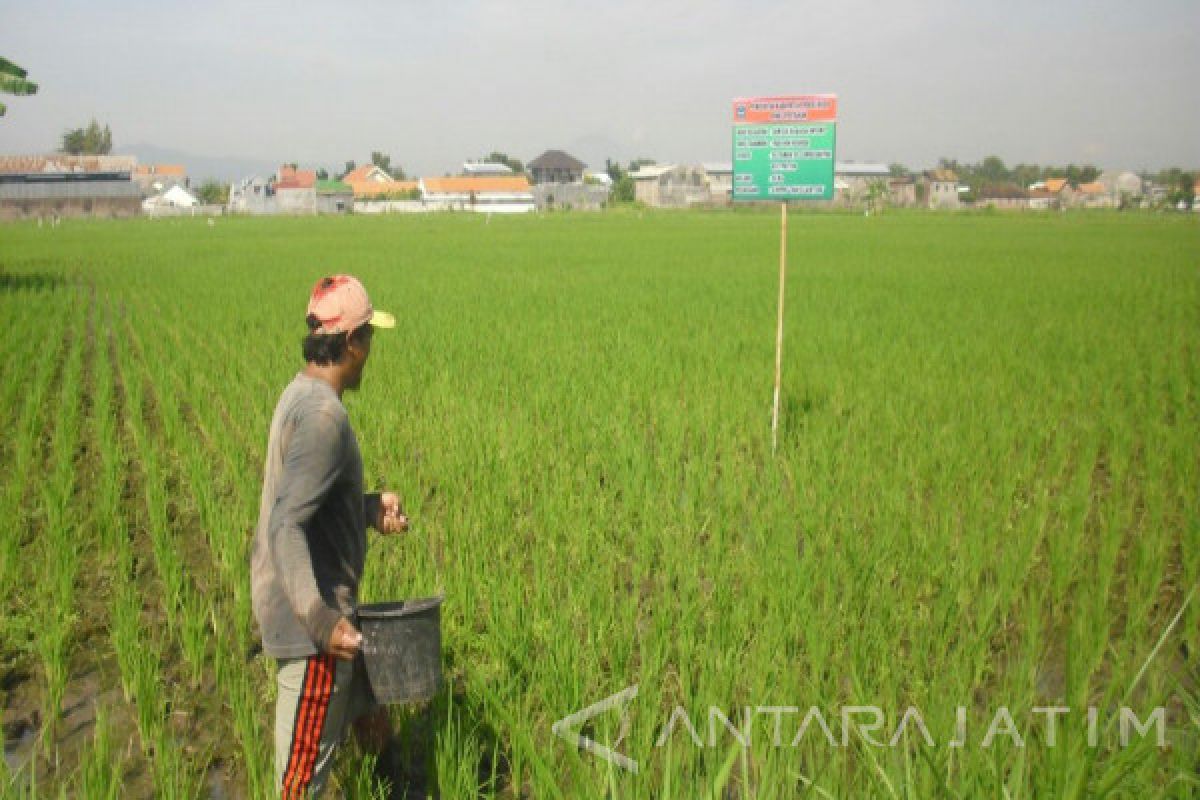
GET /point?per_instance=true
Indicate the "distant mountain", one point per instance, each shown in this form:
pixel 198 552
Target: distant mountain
pixel 201 168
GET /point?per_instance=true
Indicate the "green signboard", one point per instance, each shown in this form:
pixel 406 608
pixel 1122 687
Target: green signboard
pixel 783 148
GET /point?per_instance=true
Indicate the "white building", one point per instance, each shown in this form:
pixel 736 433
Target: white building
pixel 175 197
pixel 489 194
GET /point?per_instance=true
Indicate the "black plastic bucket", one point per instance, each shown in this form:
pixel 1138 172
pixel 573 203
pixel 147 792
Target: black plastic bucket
pixel 402 648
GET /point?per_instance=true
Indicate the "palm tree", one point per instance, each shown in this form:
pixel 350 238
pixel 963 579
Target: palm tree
pixel 12 81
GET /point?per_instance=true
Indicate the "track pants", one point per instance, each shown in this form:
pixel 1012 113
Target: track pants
pixel 319 696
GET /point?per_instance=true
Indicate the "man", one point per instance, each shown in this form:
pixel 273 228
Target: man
pixel 310 544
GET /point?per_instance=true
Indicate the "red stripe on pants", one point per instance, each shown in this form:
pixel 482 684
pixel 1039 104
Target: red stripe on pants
pixel 306 737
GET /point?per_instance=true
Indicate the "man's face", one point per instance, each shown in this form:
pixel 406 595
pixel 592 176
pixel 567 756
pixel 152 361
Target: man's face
pixel 357 352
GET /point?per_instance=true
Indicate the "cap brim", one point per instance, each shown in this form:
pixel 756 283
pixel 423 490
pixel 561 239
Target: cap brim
pixel 382 319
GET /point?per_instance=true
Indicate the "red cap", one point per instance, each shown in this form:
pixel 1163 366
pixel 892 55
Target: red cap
pixel 340 305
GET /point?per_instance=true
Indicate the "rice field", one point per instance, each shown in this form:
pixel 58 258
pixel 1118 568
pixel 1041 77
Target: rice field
pixel 984 500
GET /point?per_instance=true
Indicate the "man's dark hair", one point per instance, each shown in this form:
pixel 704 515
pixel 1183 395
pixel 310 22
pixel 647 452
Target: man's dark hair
pixel 328 348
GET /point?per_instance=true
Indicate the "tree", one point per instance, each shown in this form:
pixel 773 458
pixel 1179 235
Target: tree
pixel 384 162
pixel 876 196
pixel 1180 185
pixel 992 170
pixel 92 140
pixel 13 80
pixel 322 174
pixel 496 157
pixel 211 193
pixel 623 190
pixel 1025 174
pixel 350 167
pixel 898 170
pixel 614 170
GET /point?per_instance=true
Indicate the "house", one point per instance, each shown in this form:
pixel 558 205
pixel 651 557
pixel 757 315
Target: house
pixel 334 197
pixel 156 178
pixel 485 168
pixel 1042 199
pixel 941 189
pixel 585 196
pixel 370 182
pixel 600 178
pixel 670 186
pixel 173 198
pixel 555 166
pixel 720 181
pixel 1060 188
pixel 66 185
pixel 488 194
pixel 1003 196
pixel 854 181
pixel 902 192
pixel 1094 195
pixel 295 191
pixel 1124 187
pixel 252 195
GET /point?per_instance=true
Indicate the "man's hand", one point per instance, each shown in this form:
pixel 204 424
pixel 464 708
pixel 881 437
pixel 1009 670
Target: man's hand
pixel 391 516
pixel 345 641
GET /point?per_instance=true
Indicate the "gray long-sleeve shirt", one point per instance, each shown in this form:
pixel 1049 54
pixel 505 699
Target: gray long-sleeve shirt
pixel 311 540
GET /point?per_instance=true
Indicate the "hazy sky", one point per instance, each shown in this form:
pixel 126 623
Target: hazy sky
pixel 433 83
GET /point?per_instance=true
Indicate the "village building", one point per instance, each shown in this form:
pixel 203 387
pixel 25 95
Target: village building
pixel 1125 187
pixel 1006 196
pixel 157 178
pixel 1094 195
pixel 334 197
pixel 252 195
pixel 855 182
pixel 555 166
pixel 560 181
pixel 583 196
pixel 1061 189
pixel 295 190
pixel 486 168
pixel 670 186
pixel 902 192
pixel 169 202
pixel 600 178
pixel 369 182
pixel 486 194
pixel 941 189
pixel 65 185
pixel 719 175
pixel 1042 199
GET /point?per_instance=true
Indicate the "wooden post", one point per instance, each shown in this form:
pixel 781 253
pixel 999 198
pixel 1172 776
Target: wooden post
pixel 779 324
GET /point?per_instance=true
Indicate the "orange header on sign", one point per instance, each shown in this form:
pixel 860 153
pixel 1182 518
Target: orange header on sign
pixel 792 108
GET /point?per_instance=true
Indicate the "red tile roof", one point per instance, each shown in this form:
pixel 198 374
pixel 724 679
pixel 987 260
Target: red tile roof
pixel 369 180
pixel 62 162
pixel 177 170
pixel 365 172
pixel 370 188
pixel 290 178
pixel 477 184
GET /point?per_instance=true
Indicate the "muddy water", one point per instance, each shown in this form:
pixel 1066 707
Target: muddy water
pixel 19 748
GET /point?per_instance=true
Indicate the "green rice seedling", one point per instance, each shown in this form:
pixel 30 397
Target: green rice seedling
pixel 983 493
pixel 100 773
